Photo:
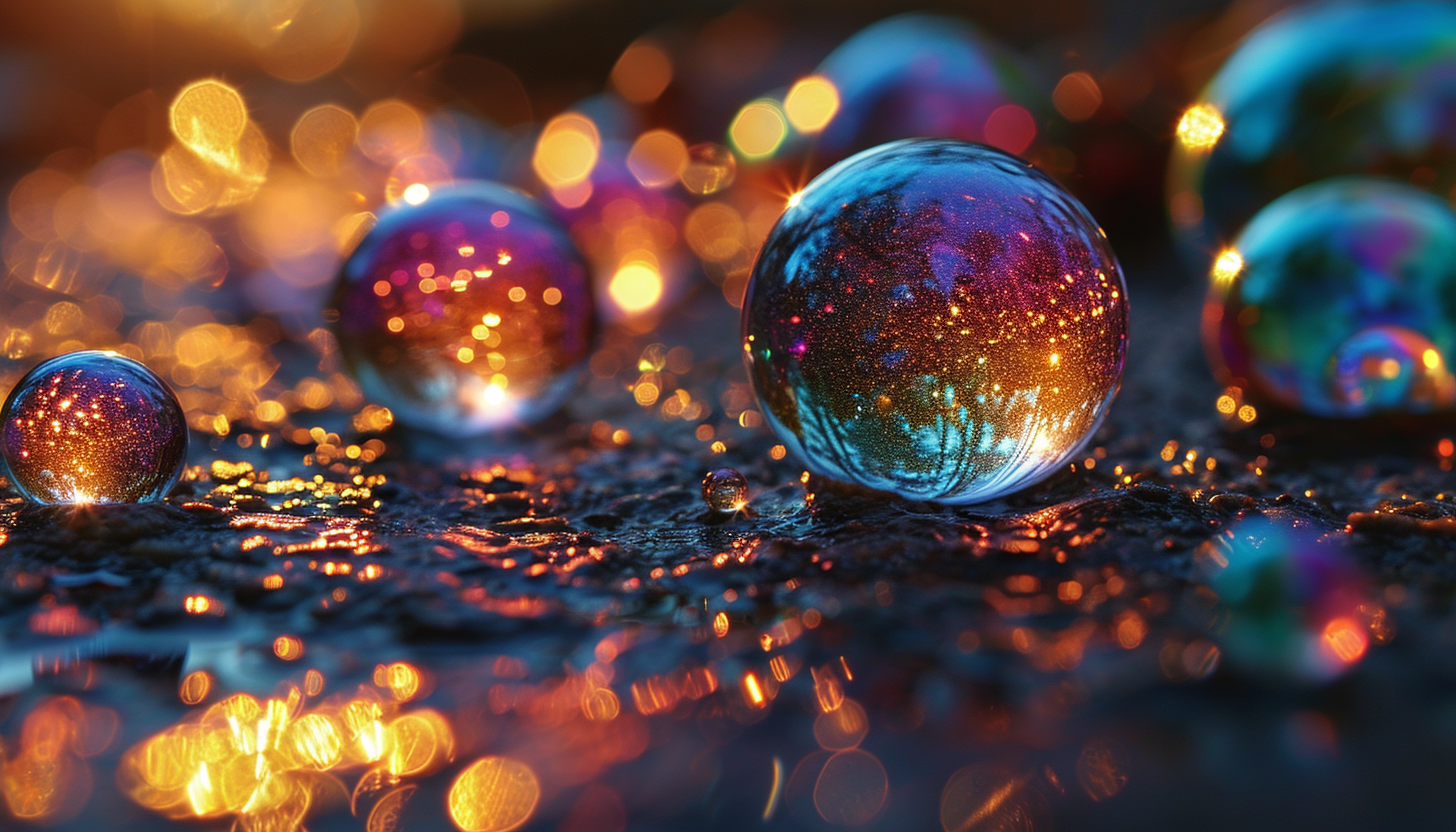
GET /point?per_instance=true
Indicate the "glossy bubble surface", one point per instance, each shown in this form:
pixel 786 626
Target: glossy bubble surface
pixel 93 427
pixel 935 319
pixel 725 490
pixel 1326 90
pixel 1343 302
pixel 469 311
pixel 923 75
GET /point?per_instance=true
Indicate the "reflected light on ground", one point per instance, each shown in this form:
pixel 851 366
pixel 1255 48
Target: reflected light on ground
pixel 493 794
pixel 257 761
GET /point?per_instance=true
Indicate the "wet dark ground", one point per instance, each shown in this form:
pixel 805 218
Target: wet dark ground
pixel 1049 661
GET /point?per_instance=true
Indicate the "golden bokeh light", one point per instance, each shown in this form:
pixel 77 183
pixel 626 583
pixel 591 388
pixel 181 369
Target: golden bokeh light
pixel 1200 127
pixel 1345 639
pixel 288 648
pixel 643 72
pixel 636 286
pixel 322 139
pixel 716 232
pixel 257 761
pixel 312 38
pixel 209 117
pixel 842 728
pixel 758 129
pixel 390 130
pixel 493 794
pixel 811 104
pixel 195 687
pixel 1077 96
pixel 1227 266
pixel 658 158
pixel 567 150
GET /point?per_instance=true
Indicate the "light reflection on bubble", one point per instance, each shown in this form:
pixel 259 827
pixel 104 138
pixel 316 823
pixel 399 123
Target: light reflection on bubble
pixel 1293 600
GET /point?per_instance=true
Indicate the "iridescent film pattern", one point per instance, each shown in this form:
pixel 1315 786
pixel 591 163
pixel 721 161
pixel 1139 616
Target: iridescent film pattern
pixel 93 427
pixel 936 319
pixel 1339 299
pixel 468 311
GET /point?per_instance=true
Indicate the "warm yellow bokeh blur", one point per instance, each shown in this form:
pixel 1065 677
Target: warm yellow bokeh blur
pixel 811 104
pixel 494 794
pixel 1200 127
pixel 758 129
pixel 567 150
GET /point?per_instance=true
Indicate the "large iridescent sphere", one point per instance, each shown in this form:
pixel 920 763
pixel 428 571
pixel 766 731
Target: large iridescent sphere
pixel 936 319
pixel 468 311
pixel 924 75
pixel 1340 299
pixel 1329 89
pixel 93 427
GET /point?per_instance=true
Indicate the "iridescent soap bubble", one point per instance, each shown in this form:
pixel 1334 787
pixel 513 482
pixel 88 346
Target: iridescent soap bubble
pixel 1340 299
pixel 936 319
pixel 468 311
pixel 924 75
pixel 1326 90
pixel 93 427
pixel 725 490
pixel 1292 599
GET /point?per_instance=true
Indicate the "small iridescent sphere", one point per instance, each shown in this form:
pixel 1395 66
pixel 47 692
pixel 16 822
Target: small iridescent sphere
pixel 725 490
pixel 936 319
pixel 1322 90
pixel 924 75
pixel 1340 299
pixel 468 311
pixel 93 427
